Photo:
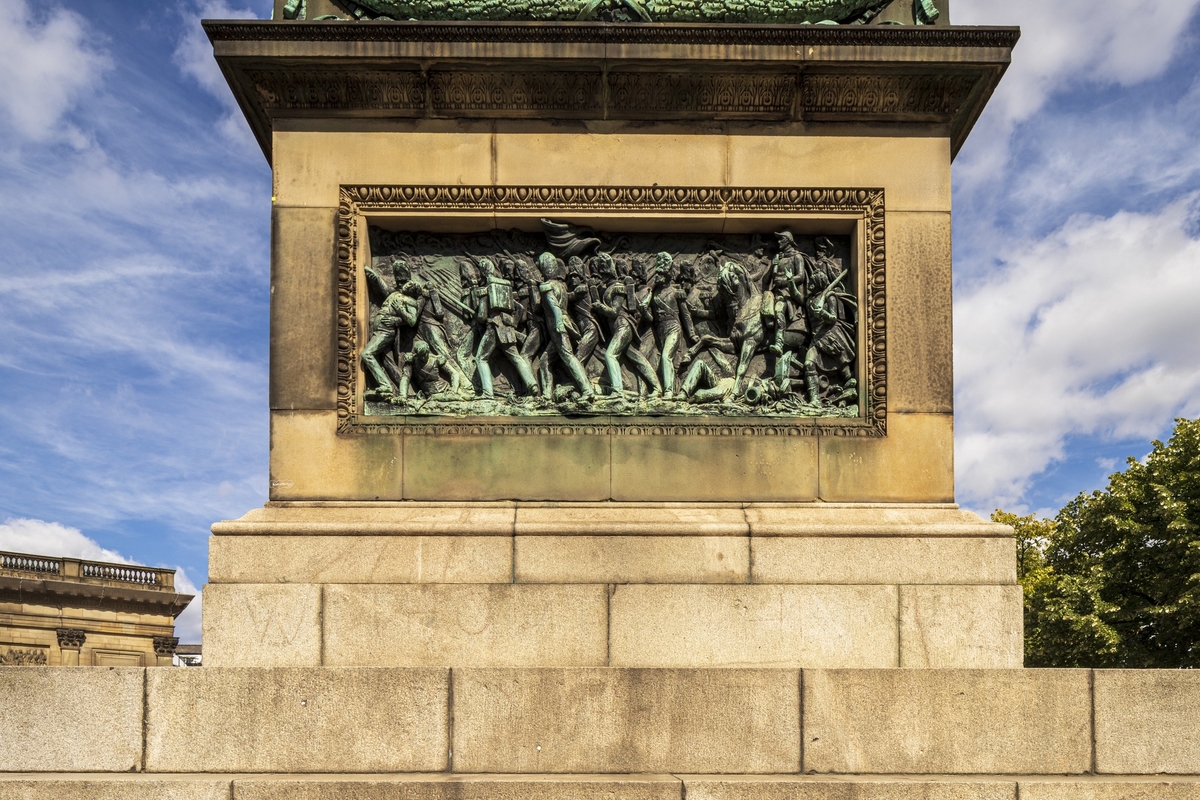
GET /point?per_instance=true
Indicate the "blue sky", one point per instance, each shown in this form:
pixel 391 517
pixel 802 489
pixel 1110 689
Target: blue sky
pixel 134 267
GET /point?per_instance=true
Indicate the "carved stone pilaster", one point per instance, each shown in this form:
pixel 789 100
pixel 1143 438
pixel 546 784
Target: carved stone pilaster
pixel 71 638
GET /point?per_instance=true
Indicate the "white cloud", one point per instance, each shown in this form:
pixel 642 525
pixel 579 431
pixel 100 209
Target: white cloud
pixel 53 539
pixel 47 63
pixel 1090 331
pixel 1065 43
pixel 38 537
pixel 194 56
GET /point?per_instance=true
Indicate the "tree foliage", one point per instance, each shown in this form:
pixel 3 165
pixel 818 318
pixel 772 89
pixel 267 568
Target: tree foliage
pixel 1114 579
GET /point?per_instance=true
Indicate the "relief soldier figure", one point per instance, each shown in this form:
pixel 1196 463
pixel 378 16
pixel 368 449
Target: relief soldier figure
pixel 495 313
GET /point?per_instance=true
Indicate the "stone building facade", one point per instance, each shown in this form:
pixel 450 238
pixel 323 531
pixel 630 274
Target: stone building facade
pixel 67 612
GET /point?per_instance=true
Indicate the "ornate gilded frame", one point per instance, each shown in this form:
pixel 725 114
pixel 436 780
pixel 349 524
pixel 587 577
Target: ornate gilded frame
pixel 358 203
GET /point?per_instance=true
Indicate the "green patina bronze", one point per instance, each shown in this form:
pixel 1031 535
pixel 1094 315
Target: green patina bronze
pixel 703 11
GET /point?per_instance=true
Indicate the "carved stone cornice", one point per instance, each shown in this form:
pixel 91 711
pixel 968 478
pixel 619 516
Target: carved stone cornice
pixel 71 638
pixel 165 645
pixel 357 202
pixel 803 75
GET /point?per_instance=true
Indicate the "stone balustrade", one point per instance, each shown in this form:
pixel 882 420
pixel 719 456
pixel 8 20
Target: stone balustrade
pixel 81 570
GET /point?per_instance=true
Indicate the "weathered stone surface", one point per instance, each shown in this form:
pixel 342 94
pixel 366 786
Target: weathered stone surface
pixel 626 720
pixel 465 625
pixel 262 625
pixel 297 720
pixel 70 719
pixel 609 159
pixel 914 463
pixel 783 787
pixel 506 467
pixel 303 359
pixel 754 626
pixel 464 787
pixel 914 171
pixel 360 559
pixel 894 560
pixel 1147 722
pixel 632 559
pixel 962 627
pixel 1110 789
pixel 309 166
pixel 116 787
pixel 309 461
pixel 374 519
pixel 1032 722
pixel 733 468
pixel 920 313
pixel 919 520
pixel 631 519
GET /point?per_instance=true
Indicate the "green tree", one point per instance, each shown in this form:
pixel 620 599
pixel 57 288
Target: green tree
pixel 1114 579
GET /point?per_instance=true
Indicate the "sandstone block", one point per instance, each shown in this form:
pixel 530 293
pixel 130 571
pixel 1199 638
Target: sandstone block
pixel 116 787
pixel 465 625
pixel 309 461
pixel 759 626
pixel 468 468
pixel 631 519
pixel 463 787
pixel 626 720
pixel 919 306
pixel 783 787
pixel 262 625
pixel 714 469
pixel 297 720
pixel 913 520
pixel 303 363
pixel 373 519
pixel 914 463
pixel 914 171
pixel 892 560
pixel 996 722
pixel 1147 722
pixel 309 166
pixel 632 559
pixel 962 627
pixel 360 559
pixel 70 719
pixel 1109 789
pixel 609 159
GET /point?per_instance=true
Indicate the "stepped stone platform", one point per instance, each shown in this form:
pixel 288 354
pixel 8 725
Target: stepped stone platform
pixel 612 584
pixel 726 734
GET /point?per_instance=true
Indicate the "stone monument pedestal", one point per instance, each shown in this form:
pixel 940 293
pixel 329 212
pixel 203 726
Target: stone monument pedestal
pixel 679 535
pixel 754 587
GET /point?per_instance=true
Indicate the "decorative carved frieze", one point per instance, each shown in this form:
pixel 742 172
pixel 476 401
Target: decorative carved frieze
pixel 327 89
pixel 23 658
pixel 619 95
pixel 691 93
pixel 165 645
pixel 71 638
pixel 427 275
pixel 465 92
pixel 936 95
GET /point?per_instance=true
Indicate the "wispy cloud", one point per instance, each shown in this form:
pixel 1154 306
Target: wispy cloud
pixel 48 61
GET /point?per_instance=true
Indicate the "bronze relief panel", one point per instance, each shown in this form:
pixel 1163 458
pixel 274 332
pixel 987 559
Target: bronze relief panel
pixel 583 315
